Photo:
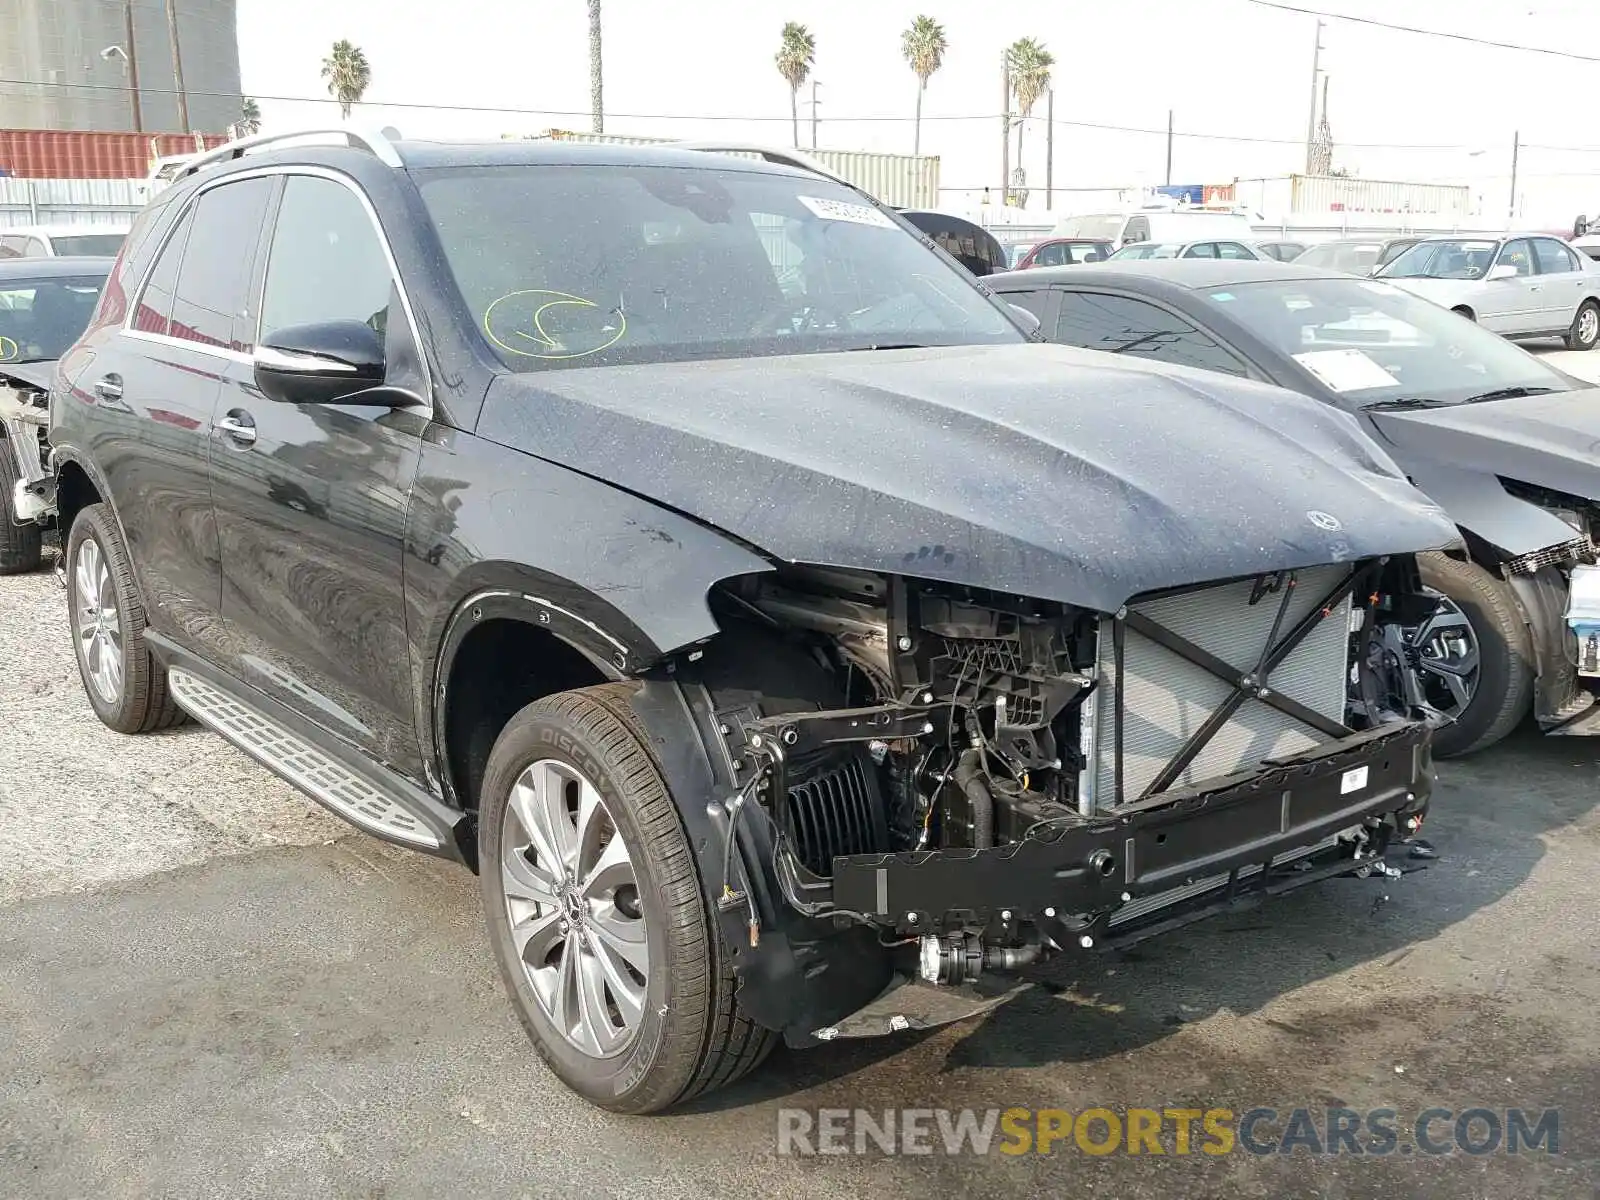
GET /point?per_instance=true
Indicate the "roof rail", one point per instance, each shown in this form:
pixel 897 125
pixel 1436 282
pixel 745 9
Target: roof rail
pixel 376 142
pixel 787 158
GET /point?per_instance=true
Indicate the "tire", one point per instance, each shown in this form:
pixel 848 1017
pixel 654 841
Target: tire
pixel 689 1036
pixel 1585 331
pixel 1504 689
pixel 131 694
pixel 21 546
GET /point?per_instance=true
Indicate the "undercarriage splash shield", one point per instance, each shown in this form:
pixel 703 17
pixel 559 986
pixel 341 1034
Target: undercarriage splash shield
pixel 912 1004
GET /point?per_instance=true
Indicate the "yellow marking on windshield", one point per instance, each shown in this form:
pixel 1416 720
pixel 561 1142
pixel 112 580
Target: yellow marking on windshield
pixel 550 346
pixel 8 355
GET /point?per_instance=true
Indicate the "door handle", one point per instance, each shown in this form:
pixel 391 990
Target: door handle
pixel 239 427
pixel 109 388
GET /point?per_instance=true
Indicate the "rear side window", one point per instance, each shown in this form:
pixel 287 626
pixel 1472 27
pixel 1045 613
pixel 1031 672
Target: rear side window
pixel 1232 250
pixel 1201 250
pixel 1553 257
pixel 1052 255
pixel 154 311
pixel 1121 325
pixel 327 262
pixel 213 284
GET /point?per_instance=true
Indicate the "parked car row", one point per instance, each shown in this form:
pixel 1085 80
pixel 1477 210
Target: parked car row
pixel 787 632
pixel 56 241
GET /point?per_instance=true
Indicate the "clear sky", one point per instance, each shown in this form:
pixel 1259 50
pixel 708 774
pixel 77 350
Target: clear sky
pixel 1225 67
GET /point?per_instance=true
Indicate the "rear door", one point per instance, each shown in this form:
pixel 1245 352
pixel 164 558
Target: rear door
pixel 1563 282
pixel 311 498
pixel 156 381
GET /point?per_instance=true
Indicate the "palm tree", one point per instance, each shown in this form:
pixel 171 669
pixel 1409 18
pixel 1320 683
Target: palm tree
pixel 597 107
pixel 797 52
pixel 249 117
pixel 1028 63
pixel 348 75
pixel 924 45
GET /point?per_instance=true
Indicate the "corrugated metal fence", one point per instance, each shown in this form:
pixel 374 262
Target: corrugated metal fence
pixel 69 201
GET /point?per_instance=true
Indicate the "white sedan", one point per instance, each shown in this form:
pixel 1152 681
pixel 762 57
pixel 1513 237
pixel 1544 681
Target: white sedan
pixel 1522 286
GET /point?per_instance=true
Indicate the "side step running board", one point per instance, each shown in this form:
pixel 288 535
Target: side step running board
pixel 302 764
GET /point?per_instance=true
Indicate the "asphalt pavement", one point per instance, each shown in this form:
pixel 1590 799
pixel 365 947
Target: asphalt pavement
pixel 209 988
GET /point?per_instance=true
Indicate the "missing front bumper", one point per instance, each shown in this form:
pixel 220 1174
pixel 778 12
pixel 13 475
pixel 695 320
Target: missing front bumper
pixel 1179 844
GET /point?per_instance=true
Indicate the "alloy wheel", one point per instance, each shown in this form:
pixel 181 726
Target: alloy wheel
pixel 1444 653
pixel 1588 325
pixel 99 623
pixel 572 899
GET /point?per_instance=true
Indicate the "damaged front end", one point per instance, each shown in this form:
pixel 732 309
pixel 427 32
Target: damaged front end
pixel 965 782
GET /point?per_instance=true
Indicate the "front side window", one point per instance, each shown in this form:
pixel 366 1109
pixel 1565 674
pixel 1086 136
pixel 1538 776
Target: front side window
pixel 1052 255
pixel 1374 342
pixel 1517 254
pixel 1038 302
pixel 1201 250
pixel 326 262
pixel 593 265
pixel 212 295
pixel 1233 250
pixel 41 318
pixel 1554 258
pixel 1122 325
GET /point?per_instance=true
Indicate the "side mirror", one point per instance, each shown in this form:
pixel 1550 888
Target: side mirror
pixel 1580 227
pixel 1026 319
pixel 328 363
pixel 1501 271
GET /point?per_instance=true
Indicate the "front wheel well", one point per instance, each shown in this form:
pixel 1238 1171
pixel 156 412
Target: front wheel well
pixel 1463 310
pixel 502 666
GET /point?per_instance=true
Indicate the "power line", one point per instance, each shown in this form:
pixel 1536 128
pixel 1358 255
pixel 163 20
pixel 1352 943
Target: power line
pixel 1438 33
pixel 551 112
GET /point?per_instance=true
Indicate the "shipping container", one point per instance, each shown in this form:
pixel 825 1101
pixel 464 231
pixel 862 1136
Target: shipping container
pixel 1294 195
pixel 65 154
pixel 898 180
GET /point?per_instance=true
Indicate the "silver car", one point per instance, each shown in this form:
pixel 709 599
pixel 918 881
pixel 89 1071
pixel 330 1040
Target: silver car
pixel 1208 249
pixel 1523 286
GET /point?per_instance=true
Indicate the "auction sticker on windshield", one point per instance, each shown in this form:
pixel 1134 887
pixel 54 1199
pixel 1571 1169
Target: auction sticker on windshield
pixel 838 210
pixel 1345 370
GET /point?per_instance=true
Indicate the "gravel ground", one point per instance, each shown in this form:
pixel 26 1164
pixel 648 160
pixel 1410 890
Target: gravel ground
pixel 210 988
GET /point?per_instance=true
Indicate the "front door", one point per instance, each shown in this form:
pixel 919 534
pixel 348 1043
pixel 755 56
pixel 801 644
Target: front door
pixel 1512 305
pixel 311 499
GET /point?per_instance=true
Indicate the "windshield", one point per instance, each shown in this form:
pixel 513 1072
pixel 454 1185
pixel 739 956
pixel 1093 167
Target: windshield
pixel 1148 250
pixel 1102 228
pixel 1447 259
pixel 41 318
pixel 93 245
pixel 595 265
pixel 1375 343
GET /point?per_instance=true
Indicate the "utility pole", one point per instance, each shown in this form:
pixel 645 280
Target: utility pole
pixel 1516 146
pixel 133 70
pixel 1169 147
pixel 1050 150
pixel 177 67
pixel 1005 130
pixel 814 85
pixel 1311 118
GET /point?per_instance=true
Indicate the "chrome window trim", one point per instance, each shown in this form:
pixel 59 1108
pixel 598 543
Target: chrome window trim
pixel 273 171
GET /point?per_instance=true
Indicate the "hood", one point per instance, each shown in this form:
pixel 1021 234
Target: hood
pixel 1552 441
pixel 1037 470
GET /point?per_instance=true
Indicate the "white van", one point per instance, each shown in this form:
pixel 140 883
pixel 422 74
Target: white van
pixel 1156 225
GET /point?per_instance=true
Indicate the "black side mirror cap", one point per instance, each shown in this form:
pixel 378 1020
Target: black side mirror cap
pixel 332 362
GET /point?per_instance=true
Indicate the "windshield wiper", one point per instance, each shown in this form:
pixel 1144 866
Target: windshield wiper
pixel 1509 393
pixel 1406 402
pixel 892 346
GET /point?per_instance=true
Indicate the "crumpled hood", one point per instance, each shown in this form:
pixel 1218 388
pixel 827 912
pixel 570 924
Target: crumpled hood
pixel 1552 441
pixel 1037 470
pixel 38 374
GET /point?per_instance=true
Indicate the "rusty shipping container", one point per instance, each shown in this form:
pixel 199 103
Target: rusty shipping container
pixel 65 154
pixel 898 180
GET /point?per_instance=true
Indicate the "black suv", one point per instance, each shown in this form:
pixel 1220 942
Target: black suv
pixel 693 549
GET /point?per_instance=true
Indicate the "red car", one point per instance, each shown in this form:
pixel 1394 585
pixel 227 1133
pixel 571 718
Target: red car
pixel 1067 252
